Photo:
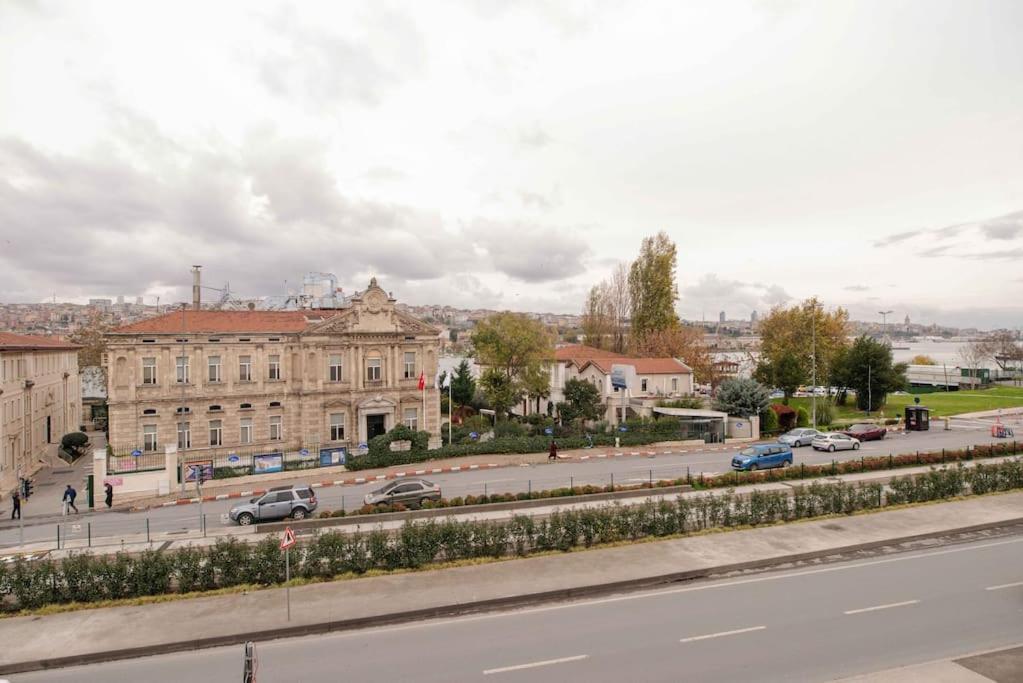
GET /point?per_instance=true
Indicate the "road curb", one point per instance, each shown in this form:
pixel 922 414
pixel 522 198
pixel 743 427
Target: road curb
pixel 475 607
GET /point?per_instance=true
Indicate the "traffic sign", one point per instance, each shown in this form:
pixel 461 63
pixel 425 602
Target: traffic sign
pixel 136 453
pixel 548 431
pixel 304 452
pixel 289 538
pixel 233 458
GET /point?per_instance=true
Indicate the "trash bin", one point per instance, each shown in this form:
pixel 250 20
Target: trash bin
pixel 918 419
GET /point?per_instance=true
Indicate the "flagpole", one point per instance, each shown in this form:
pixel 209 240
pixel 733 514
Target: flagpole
pixel 451 409
pixel 425 423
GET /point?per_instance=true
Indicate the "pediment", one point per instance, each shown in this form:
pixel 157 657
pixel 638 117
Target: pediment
pixel 377 402
pixel 371 319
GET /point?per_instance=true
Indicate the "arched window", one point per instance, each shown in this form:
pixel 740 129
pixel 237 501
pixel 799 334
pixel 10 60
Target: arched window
pixel 149 411
pixel 275 404
pixel 245 406
pixel 215 408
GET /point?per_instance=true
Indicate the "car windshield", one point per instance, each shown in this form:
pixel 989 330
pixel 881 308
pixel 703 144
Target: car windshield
pixel 387 488
pixel 794 432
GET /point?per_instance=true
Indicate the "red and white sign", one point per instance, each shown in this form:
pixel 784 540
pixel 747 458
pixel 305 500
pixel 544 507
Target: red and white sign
pixel 289 538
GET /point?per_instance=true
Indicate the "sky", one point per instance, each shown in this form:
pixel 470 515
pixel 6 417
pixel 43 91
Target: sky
pixel 486 154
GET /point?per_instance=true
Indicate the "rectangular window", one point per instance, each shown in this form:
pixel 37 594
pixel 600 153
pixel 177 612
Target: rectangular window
pixel 275 367
pixel 276 428
pixel 216 433
pixel 335 367
pixel 373 370
pixel 410 365
pixel 182 370
pixel 244 368
pixel 337 427
pixel 214 369
pixel 245 433
pixel 674 384
pixel 642 385
pixel 184 436
pixel 412 418
pixel 149 438
pixel 149 371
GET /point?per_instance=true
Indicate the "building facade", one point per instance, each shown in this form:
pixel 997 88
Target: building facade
pixel 217 382
pixel 650 380
pixel 39 402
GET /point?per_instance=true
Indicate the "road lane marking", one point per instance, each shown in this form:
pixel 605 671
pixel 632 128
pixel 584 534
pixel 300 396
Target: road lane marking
pixel 1004 585
pixel 722 634
pixel 880 607
pixel 533 665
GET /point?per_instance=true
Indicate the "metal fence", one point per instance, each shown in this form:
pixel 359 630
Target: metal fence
pixel 134 459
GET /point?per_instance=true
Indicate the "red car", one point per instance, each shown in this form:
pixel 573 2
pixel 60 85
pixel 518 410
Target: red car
pixel 865 431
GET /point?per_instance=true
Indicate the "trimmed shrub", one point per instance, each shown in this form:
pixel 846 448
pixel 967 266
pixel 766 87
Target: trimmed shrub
pixel 802 417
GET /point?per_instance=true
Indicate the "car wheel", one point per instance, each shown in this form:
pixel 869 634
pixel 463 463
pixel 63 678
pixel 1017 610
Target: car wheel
pixel 856 447
pixel 831 448
pixel 298 513
pixel 245 519
pixel 753 467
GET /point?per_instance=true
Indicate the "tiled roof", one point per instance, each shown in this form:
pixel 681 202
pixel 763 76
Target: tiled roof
pixel 225 322
pixel 23 342
pixel 580 351
pixel 643 366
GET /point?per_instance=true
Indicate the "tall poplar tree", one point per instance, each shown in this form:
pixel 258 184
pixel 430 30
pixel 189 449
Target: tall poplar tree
pixel 652 289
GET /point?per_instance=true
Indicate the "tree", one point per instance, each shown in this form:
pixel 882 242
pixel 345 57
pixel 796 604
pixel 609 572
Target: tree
pixel 652 289
pixel 513 346
pixel 1004 348
pixel 92 338
pixel 536 382
pixel 921 359
pixel 742 397
pixel 75 444
pixel 786 373
pixel 582 401
pixel 621 306
pixel 463 385
pixel 597 320
pixel 793 331
pixel 868 368
pixel 973 354
pixel 685 342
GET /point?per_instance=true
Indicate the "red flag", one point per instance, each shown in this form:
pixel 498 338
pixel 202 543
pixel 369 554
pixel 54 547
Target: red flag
pixel 422 381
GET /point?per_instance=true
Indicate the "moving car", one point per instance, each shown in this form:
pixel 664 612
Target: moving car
pixel 801 436
pixel 865 431
pixel 296 501
pixel 411 492
pixel 835 441
pixel 762 456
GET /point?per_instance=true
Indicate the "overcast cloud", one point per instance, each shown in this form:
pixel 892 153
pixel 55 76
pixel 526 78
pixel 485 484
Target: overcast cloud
pixel 508 155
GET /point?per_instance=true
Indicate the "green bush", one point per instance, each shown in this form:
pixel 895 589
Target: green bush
pixel 769 421
pixel 802 417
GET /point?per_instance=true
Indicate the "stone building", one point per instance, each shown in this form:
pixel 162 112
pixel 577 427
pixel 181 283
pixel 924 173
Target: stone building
pixel 39 402
pixel 217 382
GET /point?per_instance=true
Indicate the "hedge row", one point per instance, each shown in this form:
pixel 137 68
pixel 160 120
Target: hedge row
pixel 87 578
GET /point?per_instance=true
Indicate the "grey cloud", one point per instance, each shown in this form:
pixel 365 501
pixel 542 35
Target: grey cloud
pixel 856 288
pixel 1006 227
pixel 324 68
pixel 714 292
pixel 1003 255
pixel 935 251
pixel 896 238
pixel 531 253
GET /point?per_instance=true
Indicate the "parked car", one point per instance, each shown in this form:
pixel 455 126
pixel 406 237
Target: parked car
pixel 777 393
pixel 296 501
pixel 865 431
pixel 762 456
pixel 835 441
pixel 801 436
pixel 410 492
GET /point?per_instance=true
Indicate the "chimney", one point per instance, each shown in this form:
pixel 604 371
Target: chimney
pixel 196 289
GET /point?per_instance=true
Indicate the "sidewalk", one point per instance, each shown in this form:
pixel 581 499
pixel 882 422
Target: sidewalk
pixel 48 485
pixel 118 632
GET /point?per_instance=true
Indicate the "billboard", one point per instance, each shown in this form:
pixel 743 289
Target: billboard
pixel 333 456
pixel 192 470
pixel 267 463
pixel 622 376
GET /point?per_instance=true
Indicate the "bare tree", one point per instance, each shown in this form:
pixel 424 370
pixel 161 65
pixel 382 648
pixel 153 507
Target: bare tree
pixel 972 355
pixel 621 308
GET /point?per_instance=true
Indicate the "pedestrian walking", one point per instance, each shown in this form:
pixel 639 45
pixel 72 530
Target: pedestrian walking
pixel 69 499
pixel 109 500
pixel 16 510
pixel 553 453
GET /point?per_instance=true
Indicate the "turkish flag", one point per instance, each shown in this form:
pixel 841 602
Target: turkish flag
pixel 422 381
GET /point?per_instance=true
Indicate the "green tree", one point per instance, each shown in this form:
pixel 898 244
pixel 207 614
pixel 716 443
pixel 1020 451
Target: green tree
pixel 652 288
pixel 807 332
pixel 786 373
pixel 514 346
pixel 742 397
pixel 536 383
pixel 598 317
pixel 92 338
pixel 868 368
pixel 463 385
pixel 582 401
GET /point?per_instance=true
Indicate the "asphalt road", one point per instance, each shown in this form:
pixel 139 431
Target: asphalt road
pixel 107 528
pixel 812 624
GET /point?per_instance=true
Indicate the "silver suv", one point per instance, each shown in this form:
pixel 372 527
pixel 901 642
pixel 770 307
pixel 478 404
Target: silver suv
pixel 279 502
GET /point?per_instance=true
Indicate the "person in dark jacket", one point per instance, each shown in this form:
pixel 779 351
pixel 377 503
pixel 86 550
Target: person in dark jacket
pixel 109 500
pixel 553 453
pixel 69 499
pixel 16 510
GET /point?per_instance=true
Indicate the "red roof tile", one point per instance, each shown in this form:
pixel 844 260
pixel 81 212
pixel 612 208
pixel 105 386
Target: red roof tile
pixel 24 342
pixel 643 366
pixel 580 351
pixel 223 322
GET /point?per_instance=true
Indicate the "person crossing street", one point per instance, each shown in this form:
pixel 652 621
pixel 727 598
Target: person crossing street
pixel 69 499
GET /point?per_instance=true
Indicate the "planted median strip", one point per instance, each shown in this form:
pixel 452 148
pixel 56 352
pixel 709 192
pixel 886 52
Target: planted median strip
pixel 85 578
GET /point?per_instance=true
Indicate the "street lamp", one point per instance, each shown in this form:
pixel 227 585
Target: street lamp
pixel 884 323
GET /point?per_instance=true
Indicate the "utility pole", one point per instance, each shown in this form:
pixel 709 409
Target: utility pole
pixel 884 324
pixel 870 391
pixel 813 363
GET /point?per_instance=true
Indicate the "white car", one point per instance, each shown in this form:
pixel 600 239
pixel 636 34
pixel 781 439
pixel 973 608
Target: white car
pixel 833 441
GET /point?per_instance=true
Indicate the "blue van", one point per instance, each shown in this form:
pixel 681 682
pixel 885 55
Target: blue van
pixel 762 456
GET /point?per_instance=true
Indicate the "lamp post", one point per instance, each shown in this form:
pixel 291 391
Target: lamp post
pixel 884 323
